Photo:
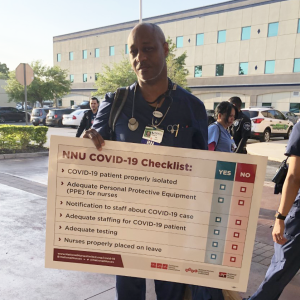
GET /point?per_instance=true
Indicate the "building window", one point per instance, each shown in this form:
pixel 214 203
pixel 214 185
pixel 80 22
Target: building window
pixel 97 52
pixel 58 57
pixel 111 50
pixel 72 102
pixel 85 77
pixel 71 57
pixel 179 42
pixel 295 107
pixel 297 65
pixel 216 104
pixel 198 71
pixel 200 39
pixel 126 49
pixel 220 70
pixel 246 32
pixel 270 66
pixel 243 69
pixel 59 102
pixel 298 31
pixel 72 78
pixel 273 29
pixel 221 36
pixel 84 54
pixel 266 104
pixel 96 76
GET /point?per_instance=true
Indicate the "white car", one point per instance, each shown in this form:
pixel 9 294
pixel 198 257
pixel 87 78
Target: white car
pixel 268 122
pixel 74 118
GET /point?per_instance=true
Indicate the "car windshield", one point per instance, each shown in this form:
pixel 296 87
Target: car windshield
pixel 36 112
pixel 77 112
pixel 250 113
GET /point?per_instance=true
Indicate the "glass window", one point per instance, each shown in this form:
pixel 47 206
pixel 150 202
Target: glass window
pixel 72 78
pixel 273 29
pixel 270 66
pixel 111 50
pixel 298 31
pixel 220 70
pixel 179 42
pixel 84 54
pixel 297 65
pixel 243 70
pixel 266 104
pixel 198 71
pixel 243 105
pixel 216 104
pixel 96 76
pixel 58 57
pixel 72 102
pixel 279 115
pixel 221 36
pixel 59 102
pixel 126 49
pixel 71 57
pixel 246 32
pixel 97 52
pixel 199 39
pixel 295 107
pixel 85 77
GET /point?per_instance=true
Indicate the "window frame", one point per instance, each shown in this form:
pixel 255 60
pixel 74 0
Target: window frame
pixel 298 65
pixel 219 37
pixel 246 27
pixel 240 67
pixel 223 69
pixel 84 54
pixel 84 74
pixel 202 39
pixel 97 52
pixel 71 55
pixel 268 61
pixel 111 51
pixel 179 39
pixel 58 57
pixel 272 29
pixel 71 78
pixel 195 71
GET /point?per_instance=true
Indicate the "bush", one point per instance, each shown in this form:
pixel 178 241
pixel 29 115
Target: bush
pixel 21 137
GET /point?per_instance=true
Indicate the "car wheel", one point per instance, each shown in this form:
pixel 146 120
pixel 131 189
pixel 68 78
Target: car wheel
pixel 287 136
pixel 266 136
pixel 2 120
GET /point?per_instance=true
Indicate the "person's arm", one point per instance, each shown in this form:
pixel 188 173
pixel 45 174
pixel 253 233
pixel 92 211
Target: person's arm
pixel 289 193
pixel 246 132
pixel 212 146
pixel 82 125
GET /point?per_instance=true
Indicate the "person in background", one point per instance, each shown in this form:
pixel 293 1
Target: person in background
pixel 219 139
pixel 285 262
pixel 88 117
pixel 241 128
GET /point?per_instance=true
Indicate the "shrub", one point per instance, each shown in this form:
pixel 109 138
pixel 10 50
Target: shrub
pixel 20 137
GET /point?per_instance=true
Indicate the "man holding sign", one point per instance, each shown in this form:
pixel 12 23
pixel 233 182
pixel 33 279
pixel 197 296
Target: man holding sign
pixel 156 112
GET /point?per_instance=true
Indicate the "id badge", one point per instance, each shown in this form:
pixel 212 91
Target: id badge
pixel 152 136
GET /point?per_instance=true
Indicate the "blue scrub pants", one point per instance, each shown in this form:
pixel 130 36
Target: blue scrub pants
pixel 285 261
pixel 132 288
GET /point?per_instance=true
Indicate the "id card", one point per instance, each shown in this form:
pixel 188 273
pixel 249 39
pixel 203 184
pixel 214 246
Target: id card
pixel 152 136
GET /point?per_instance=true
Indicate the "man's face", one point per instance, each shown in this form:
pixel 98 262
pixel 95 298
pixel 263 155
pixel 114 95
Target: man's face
pixel 94 105
pixel 147 54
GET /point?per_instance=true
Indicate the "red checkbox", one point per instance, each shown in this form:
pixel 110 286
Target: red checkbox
pixel 238 222
pixel 153 265
pixel 165 266
pixel 234 247
pixel 242 202
pixel 236 235
pixel 243 189
pixel 233 259
pixel 159 266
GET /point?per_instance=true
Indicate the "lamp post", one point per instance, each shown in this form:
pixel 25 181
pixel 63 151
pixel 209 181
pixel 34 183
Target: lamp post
pixel 141 19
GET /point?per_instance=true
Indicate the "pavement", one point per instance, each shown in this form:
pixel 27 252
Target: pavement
pixel 23 192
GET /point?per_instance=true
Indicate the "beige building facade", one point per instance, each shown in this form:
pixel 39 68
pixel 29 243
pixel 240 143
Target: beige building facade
pixel 248 48
pixel 3 95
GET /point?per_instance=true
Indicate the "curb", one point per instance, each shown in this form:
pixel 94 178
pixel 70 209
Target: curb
pixel 23 155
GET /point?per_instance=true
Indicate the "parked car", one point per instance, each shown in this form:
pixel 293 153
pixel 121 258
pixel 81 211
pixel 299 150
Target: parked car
pixel 74 118
pixel 210 116
pixel 19 106
pixel 267 123
pixel 38 116
pixel 54 116
pixel 291 116
pixel 84 104
pixel 8 114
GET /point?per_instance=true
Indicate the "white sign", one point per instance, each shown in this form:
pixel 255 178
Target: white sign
pixel 156 212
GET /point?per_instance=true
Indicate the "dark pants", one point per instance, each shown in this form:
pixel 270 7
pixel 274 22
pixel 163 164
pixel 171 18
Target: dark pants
pixel 206 293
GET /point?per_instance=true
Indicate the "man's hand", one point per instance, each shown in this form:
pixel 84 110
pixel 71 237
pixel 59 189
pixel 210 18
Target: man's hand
pixel 95 137
pixel 278 232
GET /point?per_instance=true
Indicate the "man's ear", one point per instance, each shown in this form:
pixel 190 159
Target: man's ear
pixel 166 48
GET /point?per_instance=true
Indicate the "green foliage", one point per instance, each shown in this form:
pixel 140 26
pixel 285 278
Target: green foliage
pixel 121 74
pixel 3 71
pixel 20 137
pixel 49 83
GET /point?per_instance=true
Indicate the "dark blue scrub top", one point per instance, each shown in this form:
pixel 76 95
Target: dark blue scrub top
pixel 293 147
pixel 186 110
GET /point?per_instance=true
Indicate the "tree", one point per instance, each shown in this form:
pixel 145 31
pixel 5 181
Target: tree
pixel 3 71
pixel 49 83
pixel 121 74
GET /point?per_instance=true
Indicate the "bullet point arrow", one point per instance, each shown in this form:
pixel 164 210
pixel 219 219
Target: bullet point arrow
pixel 60 215
pixel 59 227
pixel 59 239
pixel 61 202
pixel 62 170
pixel 62 183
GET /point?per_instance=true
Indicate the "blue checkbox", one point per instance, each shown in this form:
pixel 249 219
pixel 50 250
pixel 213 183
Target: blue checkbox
pixel 213 256
pixel 216 232
pixel 221 200
pixel 223 187
pixel 218 219
pixel 215 244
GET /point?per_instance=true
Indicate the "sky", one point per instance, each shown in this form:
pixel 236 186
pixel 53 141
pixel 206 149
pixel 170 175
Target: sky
pixel 28 27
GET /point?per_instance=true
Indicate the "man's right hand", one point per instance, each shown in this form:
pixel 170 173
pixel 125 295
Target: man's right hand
pixel 95 137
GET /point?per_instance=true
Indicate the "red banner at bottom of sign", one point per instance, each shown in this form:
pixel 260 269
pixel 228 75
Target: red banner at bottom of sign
pixel 90 258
